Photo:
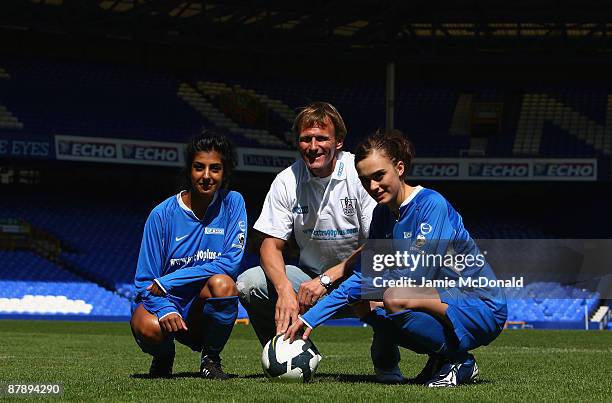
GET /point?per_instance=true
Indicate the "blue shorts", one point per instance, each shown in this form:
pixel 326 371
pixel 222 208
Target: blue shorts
pixel 188 338
pixel 477 320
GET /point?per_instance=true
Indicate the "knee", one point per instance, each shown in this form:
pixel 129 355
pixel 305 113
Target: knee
pixel 148 331
pixel 252 280
pixel 219 286
pixel 393 303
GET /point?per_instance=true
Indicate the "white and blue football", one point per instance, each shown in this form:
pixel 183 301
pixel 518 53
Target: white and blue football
pixel 290 362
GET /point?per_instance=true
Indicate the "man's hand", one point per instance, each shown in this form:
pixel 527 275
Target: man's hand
pixel 309 293
pixel 172 323
pixel 286 310
pixel 295 329
pixel 156 290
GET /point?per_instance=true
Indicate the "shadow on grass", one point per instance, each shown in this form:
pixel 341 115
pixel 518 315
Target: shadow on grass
pixel 353 378
pixel 319 377
pixel 323 376
pixel 175 375
pixel 349 378
pixel 254 376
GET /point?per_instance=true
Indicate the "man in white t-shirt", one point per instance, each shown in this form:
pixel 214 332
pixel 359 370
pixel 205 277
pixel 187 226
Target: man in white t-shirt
pixel 320 200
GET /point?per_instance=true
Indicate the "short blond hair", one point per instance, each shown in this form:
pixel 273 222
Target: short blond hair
pixel 316 114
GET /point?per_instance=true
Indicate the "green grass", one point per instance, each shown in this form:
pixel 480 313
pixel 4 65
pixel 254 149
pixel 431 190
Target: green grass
pixel 101 361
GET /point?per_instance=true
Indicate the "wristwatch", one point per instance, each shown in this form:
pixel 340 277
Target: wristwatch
pixel 325 281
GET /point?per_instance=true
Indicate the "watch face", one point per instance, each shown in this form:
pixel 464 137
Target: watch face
pixel 325 280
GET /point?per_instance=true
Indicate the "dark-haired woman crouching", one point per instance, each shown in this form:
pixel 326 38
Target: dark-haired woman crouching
pixel 189 259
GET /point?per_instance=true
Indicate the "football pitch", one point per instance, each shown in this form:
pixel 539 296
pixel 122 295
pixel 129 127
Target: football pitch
pixel 100 361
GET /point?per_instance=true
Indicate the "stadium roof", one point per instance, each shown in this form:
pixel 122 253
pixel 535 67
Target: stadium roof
pixel 368 28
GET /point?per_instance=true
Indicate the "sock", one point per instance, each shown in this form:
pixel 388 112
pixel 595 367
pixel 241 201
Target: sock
pixel 425 332
pixel 384 351
pixel 165 348
pixel 219 317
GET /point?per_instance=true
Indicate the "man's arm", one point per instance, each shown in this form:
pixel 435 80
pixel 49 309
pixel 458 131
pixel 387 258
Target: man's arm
pixel 273 264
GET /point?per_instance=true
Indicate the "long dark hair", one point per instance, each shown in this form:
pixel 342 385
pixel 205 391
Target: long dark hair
pixel 209 140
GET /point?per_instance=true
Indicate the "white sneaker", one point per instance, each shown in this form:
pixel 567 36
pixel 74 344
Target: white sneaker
pixel 393 375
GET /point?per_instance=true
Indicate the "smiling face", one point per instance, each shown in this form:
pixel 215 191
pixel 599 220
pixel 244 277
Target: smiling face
pixel 206 173
pixel 319 148
pixel 381 178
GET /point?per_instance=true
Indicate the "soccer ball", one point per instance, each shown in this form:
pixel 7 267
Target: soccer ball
pixel 290 362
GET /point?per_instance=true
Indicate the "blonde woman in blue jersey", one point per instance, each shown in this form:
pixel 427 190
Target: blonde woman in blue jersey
pixel 439 318
pixel 191 250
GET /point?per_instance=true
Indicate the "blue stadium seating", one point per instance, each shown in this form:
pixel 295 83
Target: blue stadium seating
pixel 109 253
pixel 545 301
pixel 118 101
pixel 96 100
pixel 31 285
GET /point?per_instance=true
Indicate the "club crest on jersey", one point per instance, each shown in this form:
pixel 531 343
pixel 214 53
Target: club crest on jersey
pixel 240 240
pixel 214 231
pixel 407 235
pixel 348 206
pixel 300 209
pixel 425 228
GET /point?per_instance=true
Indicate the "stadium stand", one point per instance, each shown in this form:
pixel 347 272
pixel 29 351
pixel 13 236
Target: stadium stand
pixel 103 100
pixel 98 100
pixel 32 285
pixel 107 101
pixel 101 261
pixel 499 228
pixel 548 305
pixel 545 115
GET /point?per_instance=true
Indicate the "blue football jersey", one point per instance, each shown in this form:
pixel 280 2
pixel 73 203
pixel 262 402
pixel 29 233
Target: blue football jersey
pixel 180 251
pixel 427 225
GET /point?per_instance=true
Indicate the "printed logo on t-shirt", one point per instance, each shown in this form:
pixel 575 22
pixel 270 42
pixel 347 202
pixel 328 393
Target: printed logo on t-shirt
pixel 340 169
pixel 300 209
pixel 200 255
pixel 214 231
pixel 331 234
pixel 348 206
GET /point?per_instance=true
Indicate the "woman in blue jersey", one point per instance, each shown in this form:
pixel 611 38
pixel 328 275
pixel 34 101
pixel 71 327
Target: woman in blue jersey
pixel 189 259
pixel 429 302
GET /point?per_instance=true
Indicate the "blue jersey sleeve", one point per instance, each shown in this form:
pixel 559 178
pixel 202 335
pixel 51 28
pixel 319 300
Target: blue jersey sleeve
pixel 150 258
pixel 150 264
pixel 348 292
pixel 228 262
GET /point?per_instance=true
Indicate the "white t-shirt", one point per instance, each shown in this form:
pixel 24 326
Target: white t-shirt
pixel 330 217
